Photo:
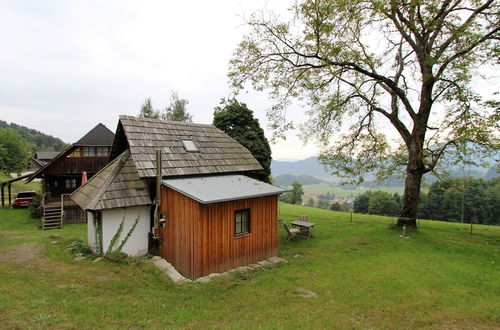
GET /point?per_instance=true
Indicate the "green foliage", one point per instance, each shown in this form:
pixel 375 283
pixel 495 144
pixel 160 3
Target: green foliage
pixel 480 201
pixel 36 206
pixel 451 276
pixel 177 111
pixel 97 216
pixel 112 252
pixel 323 204
pixel 329 196
pixel 310 202
pixel 37 141
pixel 147 110
pixel 336 206
pixel 361 202
pixel 14 151
pixel 115 237
pixel 237 120
pixel 377 202
pixel 129 233
pixel 383 203
pixel 294 196
pixel 414 76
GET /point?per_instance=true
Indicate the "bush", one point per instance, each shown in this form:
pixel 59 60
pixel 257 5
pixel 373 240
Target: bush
pixel 36 207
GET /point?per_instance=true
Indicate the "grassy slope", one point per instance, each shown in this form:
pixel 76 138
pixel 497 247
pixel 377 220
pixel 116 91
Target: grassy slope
pixel 363 273
pixel 18 186
pixel 323 188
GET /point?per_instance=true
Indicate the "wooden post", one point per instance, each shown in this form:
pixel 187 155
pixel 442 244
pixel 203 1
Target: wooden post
pixel 10 200
pixel 3 196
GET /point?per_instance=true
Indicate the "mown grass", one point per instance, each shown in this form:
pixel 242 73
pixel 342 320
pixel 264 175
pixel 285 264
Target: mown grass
pixel 323 188
pixel 364 275
pixel 18 186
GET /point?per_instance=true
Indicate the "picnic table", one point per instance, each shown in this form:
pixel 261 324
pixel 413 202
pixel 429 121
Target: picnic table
pixel 304 226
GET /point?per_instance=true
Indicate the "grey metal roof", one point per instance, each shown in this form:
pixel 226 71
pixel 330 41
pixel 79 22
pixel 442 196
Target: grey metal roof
pixel 214 189
pixel 218 152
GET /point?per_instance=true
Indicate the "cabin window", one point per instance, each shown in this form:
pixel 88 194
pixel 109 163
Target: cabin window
pixel 70 183
pixel 242 222
pixel 88 151
pixel 102 151
pixel 76 153
pixel 189 145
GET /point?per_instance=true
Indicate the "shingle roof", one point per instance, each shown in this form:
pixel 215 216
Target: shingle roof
pixel 45 155
pixel 218 152
pixel 116 185
pixel 215 189
pixel 98 136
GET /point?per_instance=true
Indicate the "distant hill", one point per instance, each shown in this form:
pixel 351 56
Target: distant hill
pixel 288 179
pixel 37 140
pixel 308 166
pixel 311 167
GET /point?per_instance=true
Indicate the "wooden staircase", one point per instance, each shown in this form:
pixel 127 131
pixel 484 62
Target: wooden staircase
pixel 52 217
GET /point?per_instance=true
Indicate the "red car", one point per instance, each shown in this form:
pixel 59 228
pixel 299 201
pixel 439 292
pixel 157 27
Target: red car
pixel 23 199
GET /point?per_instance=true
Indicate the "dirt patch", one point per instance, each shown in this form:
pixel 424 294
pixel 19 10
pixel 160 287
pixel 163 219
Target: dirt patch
pixel 22 253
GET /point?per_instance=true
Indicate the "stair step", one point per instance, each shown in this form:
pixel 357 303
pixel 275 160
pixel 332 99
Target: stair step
pixel 53 215
pixel 52 211
pixel 55 227
pixel 53 222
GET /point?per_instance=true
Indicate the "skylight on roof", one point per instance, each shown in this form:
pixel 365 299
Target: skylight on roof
pixel 189 145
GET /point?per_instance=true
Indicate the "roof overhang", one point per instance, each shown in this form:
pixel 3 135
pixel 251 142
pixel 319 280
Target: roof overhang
pixel 222 188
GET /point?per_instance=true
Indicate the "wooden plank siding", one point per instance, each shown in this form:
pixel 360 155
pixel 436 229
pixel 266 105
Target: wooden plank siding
pixel 199 239
pixel 77 165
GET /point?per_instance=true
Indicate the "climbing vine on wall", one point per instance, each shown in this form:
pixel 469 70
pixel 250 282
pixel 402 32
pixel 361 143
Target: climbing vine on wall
pixel 97 215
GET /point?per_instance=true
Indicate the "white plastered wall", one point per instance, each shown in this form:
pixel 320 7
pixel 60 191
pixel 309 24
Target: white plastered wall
pixel 137 243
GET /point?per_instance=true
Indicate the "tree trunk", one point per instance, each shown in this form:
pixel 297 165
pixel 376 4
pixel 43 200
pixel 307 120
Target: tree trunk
pixel 408 214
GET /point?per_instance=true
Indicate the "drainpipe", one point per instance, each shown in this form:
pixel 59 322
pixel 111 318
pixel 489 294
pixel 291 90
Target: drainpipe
pixel 156 229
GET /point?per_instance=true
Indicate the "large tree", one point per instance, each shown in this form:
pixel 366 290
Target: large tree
pixel 389 84
pixel 14 151
pixel 237 120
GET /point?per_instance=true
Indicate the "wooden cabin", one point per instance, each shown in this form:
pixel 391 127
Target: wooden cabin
pixel 63 174
pixel 39 159
pixel 216 218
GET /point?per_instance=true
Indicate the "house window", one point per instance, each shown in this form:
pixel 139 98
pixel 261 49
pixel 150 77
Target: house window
pixel 102 151
pixel 189 145
pixel 242 222
pixel 88 151
pixel 76 153
pixel 70 183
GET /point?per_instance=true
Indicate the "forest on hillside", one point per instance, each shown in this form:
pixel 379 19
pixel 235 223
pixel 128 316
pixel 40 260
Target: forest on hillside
pixel 36 140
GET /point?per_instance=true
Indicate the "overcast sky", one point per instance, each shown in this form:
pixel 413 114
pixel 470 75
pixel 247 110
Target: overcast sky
pixel 67 65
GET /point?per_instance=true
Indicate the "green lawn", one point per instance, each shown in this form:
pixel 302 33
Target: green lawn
pixel 313 190
pixel 364 275
pixel 18 186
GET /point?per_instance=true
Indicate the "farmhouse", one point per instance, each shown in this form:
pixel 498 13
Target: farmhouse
pixel 210 216
pixel 62 174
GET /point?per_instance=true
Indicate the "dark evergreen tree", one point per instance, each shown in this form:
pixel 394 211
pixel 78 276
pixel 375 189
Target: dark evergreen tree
pixel 237 120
